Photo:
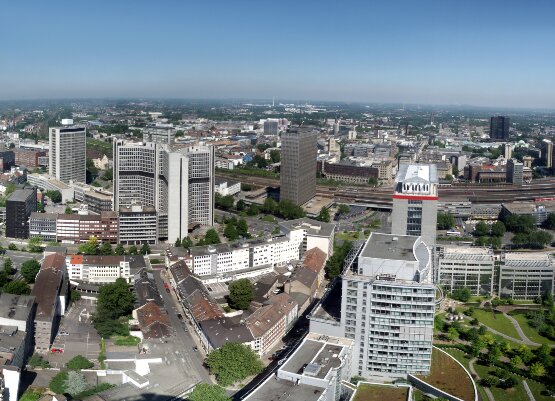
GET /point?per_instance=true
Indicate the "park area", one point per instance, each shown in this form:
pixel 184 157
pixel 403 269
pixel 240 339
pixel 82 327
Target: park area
pixel 449 376
pixel 378 392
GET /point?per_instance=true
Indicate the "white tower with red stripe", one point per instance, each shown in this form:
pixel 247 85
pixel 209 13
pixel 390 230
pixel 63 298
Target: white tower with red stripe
pixel 415 202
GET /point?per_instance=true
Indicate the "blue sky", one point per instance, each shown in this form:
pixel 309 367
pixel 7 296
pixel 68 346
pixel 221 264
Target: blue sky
pixel 489 53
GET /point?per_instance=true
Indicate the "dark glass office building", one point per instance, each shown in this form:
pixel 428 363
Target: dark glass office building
pixel 19 206
pixel 499 128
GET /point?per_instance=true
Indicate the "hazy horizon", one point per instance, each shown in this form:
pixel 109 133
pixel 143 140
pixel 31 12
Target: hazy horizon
pixel 493 54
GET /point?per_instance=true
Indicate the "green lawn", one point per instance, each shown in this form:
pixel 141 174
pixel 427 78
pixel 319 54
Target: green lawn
pixel 31 395
pixel 528 330
pixel 537 389
pixel 464 360
pixel 497 322
pixel 516 393
pixel 126 341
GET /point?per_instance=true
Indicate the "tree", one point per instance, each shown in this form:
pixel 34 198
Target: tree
pixel 35 244
pixel 516 362
pixel 208 392
pixel 241 293
pixel 289 211
pixel 186 242
pixel 270 206
pixel 549 223
pixel 462 294
pixel 537 370
pixel 445 221
pixel 498 229
pixel 58 383
pixel 68 210
pixel 17 287
pixel 30 269
pixel 105 249
pixel 481 229
pixel 79 362
pixel 373 181
pixel 115 299
pixel 343 209
pixel 452 334
pixel 455 170
pixel 109 174
pixel 74 295
pixel 37 361
pixel 243 228
pixel 90 247
pixel 145 249
pixel 253 210
pixel 177 243
pixel 489 381
pixel 240 205
pixel 133 250
pixel 119 250
pixel 55 196
pixel 230 232
pixel 40 207
pixel 75 383
pixel 12 247
pixel 8 266
pixel 334 265
pixel 233 362
pixel 324 215
pixel 224 202
pixel 525 353
pixel 275 156
pixel 211 237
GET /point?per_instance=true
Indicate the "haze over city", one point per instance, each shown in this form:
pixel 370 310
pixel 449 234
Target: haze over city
pixel 494 53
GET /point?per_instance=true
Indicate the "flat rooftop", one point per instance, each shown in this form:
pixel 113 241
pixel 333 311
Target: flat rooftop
pixel 410 172
pixel 312 227
pixel 389 246
pixel 284 390
pixel 381 392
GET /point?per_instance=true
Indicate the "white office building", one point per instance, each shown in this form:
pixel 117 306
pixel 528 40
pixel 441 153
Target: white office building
pixel 388 305
pixel 526 275
pixel 463 266
pixel 68 153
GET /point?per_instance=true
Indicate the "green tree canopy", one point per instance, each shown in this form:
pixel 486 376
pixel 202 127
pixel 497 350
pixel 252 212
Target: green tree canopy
pixel 79 362
pixel 115 299
pixel 186 242
pixel 35 244
pixel 90 247
pixel 133 250
pixel 270 206
pixel 549 223
pixel 498 229
pixel 17 287
pixel 289 211
pixel 145 249
pixel 224 202
pixel 445 221
pixel 75 383
pixel 105 249
pixel 208 392
pixel 324 215
pixel 55 196
pixel 230 232
pixel 481 229
pixel 211 237
pixel 343 209
pixel 29 270
pixel 119 250
pixel 334 265
pixel 462 294
pixel 241 293
pixel 233 362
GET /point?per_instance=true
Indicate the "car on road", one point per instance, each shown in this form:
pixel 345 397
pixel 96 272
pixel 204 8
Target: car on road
pixel 57 350
pixel 195 348
pixel 64 333
pixel 180 316
pixel 282 361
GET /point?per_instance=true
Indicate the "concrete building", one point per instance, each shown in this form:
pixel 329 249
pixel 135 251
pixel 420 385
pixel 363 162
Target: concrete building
pixel 19 206
pixel 99 269
pixel 388 305
pixel 526 275
pixel 313 372
pixel 547 154
pixel 415 202
pixel 50 292
pixel 225 187
pixel 144 172
pixel 78 228
pixel 271 126
pixel 470 267
pixel 159 134
pixel 68 153
pixel 499 128
pixel 137 225
pixel 7 160
pixel 515 172
pixel 43 226
pixel 298 165
pixel 49 183
pixel 28 157
pixel 312 234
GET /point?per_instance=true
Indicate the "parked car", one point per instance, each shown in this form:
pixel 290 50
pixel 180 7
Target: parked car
pixel 57 350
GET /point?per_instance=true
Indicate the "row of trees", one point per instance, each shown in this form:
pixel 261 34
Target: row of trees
pixel 29 270
pixel 93 247
pixel 334 265
pixel 235 228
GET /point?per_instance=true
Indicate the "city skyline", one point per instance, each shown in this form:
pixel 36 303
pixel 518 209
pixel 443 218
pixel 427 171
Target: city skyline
pixel 478 54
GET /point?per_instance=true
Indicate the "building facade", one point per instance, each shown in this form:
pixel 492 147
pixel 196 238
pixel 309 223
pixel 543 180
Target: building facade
pixel 68 153
pixel 415 202
pixel 526 275
pixel 388 306
pixel 137 225
pixel 298 165
pixel 470 267
pixel 19 206
pixel 499 128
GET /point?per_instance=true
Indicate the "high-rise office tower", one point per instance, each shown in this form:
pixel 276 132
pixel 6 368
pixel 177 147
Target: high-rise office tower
pixel 19 206
pixel 159 134
pixel 271 126
pixel 507 151
pixel 546 147
pixel 515 172
pixel 388 306
pixel 499 128
pixel 178 183
pixel 415 202
pixel 298 165
pixel 68 153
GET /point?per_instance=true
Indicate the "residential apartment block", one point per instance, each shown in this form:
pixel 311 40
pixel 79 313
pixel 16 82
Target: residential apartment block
pixel 68 153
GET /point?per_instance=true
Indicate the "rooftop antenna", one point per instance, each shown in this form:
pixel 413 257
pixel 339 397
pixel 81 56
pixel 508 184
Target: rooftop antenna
pixel 273 101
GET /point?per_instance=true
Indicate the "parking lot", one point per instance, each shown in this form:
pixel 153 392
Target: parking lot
pixel 76 335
